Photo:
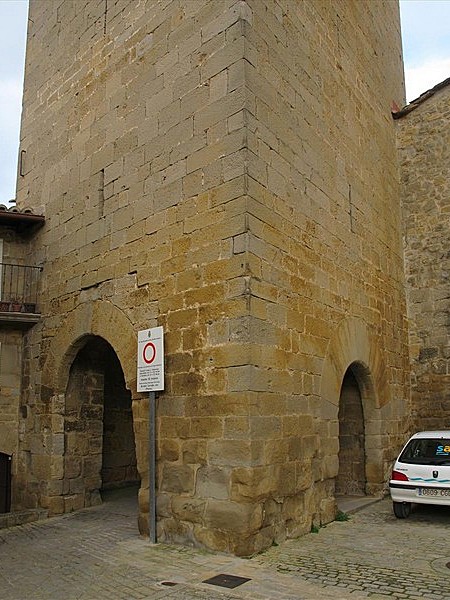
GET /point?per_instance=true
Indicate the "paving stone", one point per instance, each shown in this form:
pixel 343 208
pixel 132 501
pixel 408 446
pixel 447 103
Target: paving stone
pixel 97 554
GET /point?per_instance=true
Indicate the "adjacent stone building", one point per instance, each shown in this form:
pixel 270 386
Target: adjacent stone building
pixel 19 285
pixel 227 170
pixel 423 132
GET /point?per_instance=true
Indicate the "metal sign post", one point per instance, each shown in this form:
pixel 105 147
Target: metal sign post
pixel 150 378
pixel 152 467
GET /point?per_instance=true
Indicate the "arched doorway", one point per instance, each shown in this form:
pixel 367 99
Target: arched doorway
pixel 355 351
pixel 98 430
pixel 351 479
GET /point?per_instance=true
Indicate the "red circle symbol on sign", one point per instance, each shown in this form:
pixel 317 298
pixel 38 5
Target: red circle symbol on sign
pixel 149 353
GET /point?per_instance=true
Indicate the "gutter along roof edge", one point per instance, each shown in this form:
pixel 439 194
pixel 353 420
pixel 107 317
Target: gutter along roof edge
pixel 421 99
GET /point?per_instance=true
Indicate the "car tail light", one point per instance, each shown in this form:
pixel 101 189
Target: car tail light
pixel 398 476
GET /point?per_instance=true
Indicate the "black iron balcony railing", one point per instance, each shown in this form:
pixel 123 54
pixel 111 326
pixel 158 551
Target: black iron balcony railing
pixel 19 286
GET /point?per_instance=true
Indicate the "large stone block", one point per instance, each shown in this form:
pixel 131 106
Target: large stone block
pixel 213 482
pixel 54 504
pixel 213 539
pixel 178 479
pixel 233 517
pixel 188 509
pixel 230 452
pixel 251 484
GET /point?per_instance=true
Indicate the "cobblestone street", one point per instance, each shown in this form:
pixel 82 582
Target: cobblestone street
pixel 97 554
pixel 375 553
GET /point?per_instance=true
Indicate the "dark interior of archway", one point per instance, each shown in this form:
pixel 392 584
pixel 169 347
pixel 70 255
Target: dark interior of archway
pixel 119 450
pixel 100 446
pixel 351 480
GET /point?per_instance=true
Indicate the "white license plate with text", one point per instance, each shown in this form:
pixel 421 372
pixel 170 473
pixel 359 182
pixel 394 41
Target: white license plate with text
pixel 433 492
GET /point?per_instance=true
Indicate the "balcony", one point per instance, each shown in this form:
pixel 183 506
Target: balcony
pixel 19 286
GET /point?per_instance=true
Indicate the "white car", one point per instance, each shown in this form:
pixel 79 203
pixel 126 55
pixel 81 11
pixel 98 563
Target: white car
pixel 421 473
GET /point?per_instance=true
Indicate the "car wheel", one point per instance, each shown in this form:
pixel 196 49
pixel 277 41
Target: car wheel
pixel 402 509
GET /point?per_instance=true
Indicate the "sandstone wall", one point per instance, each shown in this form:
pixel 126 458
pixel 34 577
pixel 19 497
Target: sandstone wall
pixel 11 365
pixel 423 141
pixel 324 225
pixel 14 250
pixel 225 169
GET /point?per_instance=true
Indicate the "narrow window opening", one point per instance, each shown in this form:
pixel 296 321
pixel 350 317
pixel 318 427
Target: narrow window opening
pixel 23 154
pixel 101 193
pixel 350 208
pixel 106 16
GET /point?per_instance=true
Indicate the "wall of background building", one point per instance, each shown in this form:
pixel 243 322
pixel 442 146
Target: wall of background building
pixel 423 142
pixel 11 373
pixel 14 250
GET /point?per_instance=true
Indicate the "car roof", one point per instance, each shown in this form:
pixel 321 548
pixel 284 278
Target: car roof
pixel 444 433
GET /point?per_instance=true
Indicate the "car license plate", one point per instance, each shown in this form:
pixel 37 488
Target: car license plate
pixel 432 492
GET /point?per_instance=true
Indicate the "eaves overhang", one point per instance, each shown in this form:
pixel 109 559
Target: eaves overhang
pixel 21 220
pixel 420 100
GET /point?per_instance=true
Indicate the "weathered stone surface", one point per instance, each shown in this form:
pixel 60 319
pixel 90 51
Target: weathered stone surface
pixel 423 144
pixel 211 167
pixel 212 538
pixel 195 452
pixel 188 509
pixel 213 482
pixel 233 517
pixel 177 478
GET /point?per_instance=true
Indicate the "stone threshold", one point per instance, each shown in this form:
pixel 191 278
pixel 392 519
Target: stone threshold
pixel 21 517
pixel 351 504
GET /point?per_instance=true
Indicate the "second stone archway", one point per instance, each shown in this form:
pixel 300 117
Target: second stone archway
pixel 351 479
pixel 355 392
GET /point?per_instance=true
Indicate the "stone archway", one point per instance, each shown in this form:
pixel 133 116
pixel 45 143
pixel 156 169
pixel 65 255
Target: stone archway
pixel 354 373
pixel 88 321
pixel 98 426
pixel 351 477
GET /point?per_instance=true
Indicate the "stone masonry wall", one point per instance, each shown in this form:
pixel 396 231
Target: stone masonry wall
pixel 14 251
pixel 424 148
pixel 225 169
pixel 11 365
pixel 143 183
pixel 324 242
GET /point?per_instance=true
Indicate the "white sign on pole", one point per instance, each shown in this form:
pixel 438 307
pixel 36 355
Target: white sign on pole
pixel 150 364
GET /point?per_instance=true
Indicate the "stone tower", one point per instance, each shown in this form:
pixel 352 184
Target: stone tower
pixel 225 169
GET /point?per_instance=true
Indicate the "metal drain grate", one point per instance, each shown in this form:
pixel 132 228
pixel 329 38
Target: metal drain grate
pixel 227 581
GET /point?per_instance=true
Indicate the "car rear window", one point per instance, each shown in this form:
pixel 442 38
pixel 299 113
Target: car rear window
pixel 426 451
